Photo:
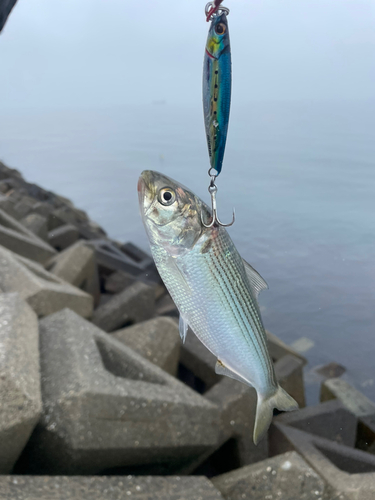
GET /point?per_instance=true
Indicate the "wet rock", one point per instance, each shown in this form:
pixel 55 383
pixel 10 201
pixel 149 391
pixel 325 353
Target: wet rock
pixel 20 392
pixel 135 304
pixel 108 488
pixel 77 265
pixel 105 406
pixel 157 340
pixel 18 239
pixel 43 291
pixel 286 477
pixel 63 236
pixel 37 224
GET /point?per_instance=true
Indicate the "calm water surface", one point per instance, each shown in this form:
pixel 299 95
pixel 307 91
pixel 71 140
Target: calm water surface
pixel 302 179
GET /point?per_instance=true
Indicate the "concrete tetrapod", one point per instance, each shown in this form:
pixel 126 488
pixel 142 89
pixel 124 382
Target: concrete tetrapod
pixel 20 393
pixel 157 340
pixel 44 292
pixel 105 406
pixel 18 239
pixel 108 488
pixel 77 266
pixel 287 477
pixel 133 305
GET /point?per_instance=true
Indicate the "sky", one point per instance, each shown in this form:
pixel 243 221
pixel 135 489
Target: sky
pixel 100 53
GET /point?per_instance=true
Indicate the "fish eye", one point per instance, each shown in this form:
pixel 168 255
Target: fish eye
pixel 220 29
pixel 167 196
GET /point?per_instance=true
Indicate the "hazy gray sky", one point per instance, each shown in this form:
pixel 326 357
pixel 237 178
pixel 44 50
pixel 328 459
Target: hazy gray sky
pixel 110 52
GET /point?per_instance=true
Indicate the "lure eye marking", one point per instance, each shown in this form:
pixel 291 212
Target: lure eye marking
pixel 167 196
pixel 220 29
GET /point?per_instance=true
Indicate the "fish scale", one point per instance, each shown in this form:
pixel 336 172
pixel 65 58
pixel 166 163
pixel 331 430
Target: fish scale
pixel 213 288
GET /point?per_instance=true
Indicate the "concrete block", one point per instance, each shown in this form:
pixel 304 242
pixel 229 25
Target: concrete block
pixel 68 214
pixel 347 471
pixel 287 476
pixel 105 406
pixel 24 206
pixel 20 392
pixel 77 266
pixel 7 172
pixel 63 237
pixel 278 349
pixel 135 304
pixel 107 487
pixel 330 420
pixel 129 259
pixel 43 291
pixel 237 405
pixel 197 364
pixel 166 307
pixel 119 280
pixel 37 224
pixel 157 340
pixel 7 205
pixel 43 208
pixel 18 239
pixel 289 373
pixel 355 401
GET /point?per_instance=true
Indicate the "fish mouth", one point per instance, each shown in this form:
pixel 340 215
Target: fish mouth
pixel 145 190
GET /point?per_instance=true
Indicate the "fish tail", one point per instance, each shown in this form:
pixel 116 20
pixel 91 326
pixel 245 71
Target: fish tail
pixel 264 413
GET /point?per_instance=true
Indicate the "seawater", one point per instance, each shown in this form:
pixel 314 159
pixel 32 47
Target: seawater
pixel 301 176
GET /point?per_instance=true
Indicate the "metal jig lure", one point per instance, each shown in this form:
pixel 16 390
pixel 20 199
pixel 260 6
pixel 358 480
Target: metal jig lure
pixel 217 82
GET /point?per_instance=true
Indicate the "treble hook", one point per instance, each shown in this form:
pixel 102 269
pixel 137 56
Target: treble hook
pixel 213 7
pixel 212 189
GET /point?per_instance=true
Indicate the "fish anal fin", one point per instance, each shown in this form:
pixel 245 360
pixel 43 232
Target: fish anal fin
pixel 183 328
pixel 257 283
pixel 221 369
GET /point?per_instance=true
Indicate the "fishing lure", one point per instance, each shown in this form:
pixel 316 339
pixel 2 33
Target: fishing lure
pixel 217 82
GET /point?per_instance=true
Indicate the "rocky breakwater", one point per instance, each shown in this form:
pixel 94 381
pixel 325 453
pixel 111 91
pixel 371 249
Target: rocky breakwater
pixel 99 399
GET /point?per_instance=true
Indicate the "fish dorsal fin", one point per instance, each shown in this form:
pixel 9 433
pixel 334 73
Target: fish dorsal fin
pixel 183 328
pixel 257 283
pixel 221 369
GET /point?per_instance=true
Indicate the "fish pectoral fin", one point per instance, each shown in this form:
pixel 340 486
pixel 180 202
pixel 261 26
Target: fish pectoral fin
pixel 257 283
pixel 183 328
pixel 221 369
pixel 173 264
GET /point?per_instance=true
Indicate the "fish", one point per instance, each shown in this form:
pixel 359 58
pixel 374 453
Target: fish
pixel 214 289
pixel 217 83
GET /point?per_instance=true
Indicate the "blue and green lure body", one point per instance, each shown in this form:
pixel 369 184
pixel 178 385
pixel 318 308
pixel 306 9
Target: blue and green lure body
pixel 217 83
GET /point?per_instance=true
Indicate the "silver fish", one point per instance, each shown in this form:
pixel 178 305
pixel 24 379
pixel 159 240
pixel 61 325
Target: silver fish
pixel 213 288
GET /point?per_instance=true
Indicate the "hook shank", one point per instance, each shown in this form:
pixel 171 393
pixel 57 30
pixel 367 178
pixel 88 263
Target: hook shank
pixel 212 189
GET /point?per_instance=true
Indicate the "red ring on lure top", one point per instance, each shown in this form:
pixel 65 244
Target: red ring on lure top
pixel 212 8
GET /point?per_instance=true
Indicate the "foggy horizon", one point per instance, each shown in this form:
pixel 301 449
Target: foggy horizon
pixel 103 54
